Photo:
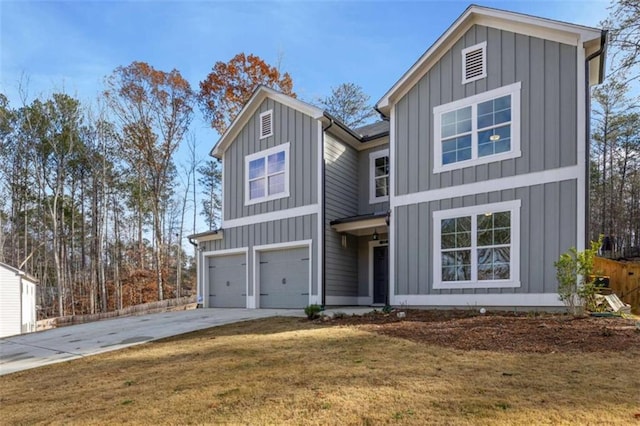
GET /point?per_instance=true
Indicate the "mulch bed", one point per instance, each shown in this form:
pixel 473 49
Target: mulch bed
pixel 502 331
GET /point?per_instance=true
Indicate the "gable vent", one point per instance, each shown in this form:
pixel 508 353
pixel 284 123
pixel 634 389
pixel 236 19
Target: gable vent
pixel 266 124
pixel 474 63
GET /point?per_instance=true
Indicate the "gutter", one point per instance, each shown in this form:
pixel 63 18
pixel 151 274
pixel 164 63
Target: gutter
pixel 195 249
pixel 600 52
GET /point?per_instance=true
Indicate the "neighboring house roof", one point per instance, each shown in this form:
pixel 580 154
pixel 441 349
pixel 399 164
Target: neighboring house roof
pixel 258 96
pixel 373 130
pixel 549 29
pixel 20 273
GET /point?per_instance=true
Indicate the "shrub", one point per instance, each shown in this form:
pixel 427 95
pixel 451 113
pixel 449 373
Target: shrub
pixel 574 271
pixel 312 311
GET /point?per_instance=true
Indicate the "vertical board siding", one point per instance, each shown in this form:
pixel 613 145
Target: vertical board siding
pixel 291 126
pixel 341 200
pixel 547 71
pixel 280 231
pixel 10 304
pixel 547 210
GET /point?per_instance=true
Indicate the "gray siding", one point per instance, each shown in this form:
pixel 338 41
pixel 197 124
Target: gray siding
pixel 278 231
pixel 547 229
pixel 365 182
pixel 341 200
pixel 289 125
pixel 548 73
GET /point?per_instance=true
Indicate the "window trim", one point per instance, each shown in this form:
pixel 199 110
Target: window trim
pixel 483 47
pixel 473 101
pixel 373 199
pixel 514 265
pixel 264 154
pixel 270 114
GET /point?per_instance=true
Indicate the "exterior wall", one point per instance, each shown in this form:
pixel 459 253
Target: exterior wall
pixel 364 179
pixel 288 230
pixel 548 73
pixel 289 125
pixel 28 307
pixel 10 304
pixel 547 228
pixel 341 200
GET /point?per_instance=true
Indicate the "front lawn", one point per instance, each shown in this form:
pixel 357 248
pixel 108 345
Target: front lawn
pixel 293 371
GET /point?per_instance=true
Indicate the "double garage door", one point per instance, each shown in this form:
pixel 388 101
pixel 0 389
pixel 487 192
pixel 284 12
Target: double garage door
pixel 283 279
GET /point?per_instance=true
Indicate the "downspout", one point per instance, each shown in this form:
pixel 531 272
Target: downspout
pixel 324 208
pixel 599 52
pixel 197 256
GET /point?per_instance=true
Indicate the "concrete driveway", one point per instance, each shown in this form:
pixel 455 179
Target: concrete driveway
pixel 32 350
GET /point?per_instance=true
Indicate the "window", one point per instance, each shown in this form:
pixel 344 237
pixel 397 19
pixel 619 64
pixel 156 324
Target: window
pixel 477 247
pixel 266 124
pixel 474 63
pixel 479 129
pixel 267 175
pixel 379 176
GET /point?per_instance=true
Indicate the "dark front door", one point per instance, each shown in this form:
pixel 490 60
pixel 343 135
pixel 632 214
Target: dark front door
pixel 380 274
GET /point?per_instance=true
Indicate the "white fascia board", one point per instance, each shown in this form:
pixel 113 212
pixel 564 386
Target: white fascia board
pixel 272 216
pixel 261 93
pixel 500 19
pixel 380 222
pixel 211 237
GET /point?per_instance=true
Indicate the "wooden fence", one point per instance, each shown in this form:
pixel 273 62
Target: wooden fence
pixel 182 303
pixel 624 279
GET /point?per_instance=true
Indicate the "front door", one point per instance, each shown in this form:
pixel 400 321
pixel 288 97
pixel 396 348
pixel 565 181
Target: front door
pixel 380 274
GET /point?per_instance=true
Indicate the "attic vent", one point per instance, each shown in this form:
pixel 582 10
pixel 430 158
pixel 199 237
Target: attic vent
pixel 474 63
pixel 266 124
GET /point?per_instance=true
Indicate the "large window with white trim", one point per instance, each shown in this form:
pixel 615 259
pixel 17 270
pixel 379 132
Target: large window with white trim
pixel 267 175
pixel 379 176
pixel 477 247
pixel 480 129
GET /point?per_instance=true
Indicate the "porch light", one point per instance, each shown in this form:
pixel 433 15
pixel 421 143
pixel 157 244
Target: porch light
pixel 375 235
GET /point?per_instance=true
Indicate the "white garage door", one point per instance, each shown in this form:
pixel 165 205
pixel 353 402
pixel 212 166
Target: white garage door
pixel 227 281
pixel 284 278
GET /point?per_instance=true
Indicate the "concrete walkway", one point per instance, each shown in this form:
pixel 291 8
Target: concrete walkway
pixel 46 347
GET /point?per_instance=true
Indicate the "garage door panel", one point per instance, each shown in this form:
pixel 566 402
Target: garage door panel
pixel 284 278
pixel 227 281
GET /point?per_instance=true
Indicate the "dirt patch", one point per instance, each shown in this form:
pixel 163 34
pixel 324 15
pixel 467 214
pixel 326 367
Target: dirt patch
pixel 502 331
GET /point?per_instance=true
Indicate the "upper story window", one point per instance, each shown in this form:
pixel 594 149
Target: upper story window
pixel 479 129
pixel 379 176
pixel 267 175
pixel 474 63
pixel 266 124
pixel 477 247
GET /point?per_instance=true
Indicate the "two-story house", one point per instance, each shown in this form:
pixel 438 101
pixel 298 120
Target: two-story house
pixel 464 195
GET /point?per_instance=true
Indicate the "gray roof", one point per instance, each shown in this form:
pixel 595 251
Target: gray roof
pixel 373 130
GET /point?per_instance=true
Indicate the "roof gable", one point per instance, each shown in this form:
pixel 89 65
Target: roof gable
pixel 548 29
pixel 260 94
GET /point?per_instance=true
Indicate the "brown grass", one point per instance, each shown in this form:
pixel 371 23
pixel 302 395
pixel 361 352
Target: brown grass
pixel 290 371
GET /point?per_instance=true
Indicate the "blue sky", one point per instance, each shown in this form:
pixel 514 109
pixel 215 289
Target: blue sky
pixel 72 45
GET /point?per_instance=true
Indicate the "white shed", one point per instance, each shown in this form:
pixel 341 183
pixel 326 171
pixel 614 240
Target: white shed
pixel 17 301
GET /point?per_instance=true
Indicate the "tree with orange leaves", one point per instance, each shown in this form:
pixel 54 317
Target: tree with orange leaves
pixel 230 85
pixel 154 109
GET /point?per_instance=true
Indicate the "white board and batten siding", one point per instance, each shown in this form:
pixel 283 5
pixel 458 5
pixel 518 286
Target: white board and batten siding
pixel 17 302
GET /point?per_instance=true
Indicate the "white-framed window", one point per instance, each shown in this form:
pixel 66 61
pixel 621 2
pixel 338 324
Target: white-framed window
pixel 479 129
pixel 474 62
pixel 477 247
pixel 379 176
pixel 267 175
pixel 266 124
